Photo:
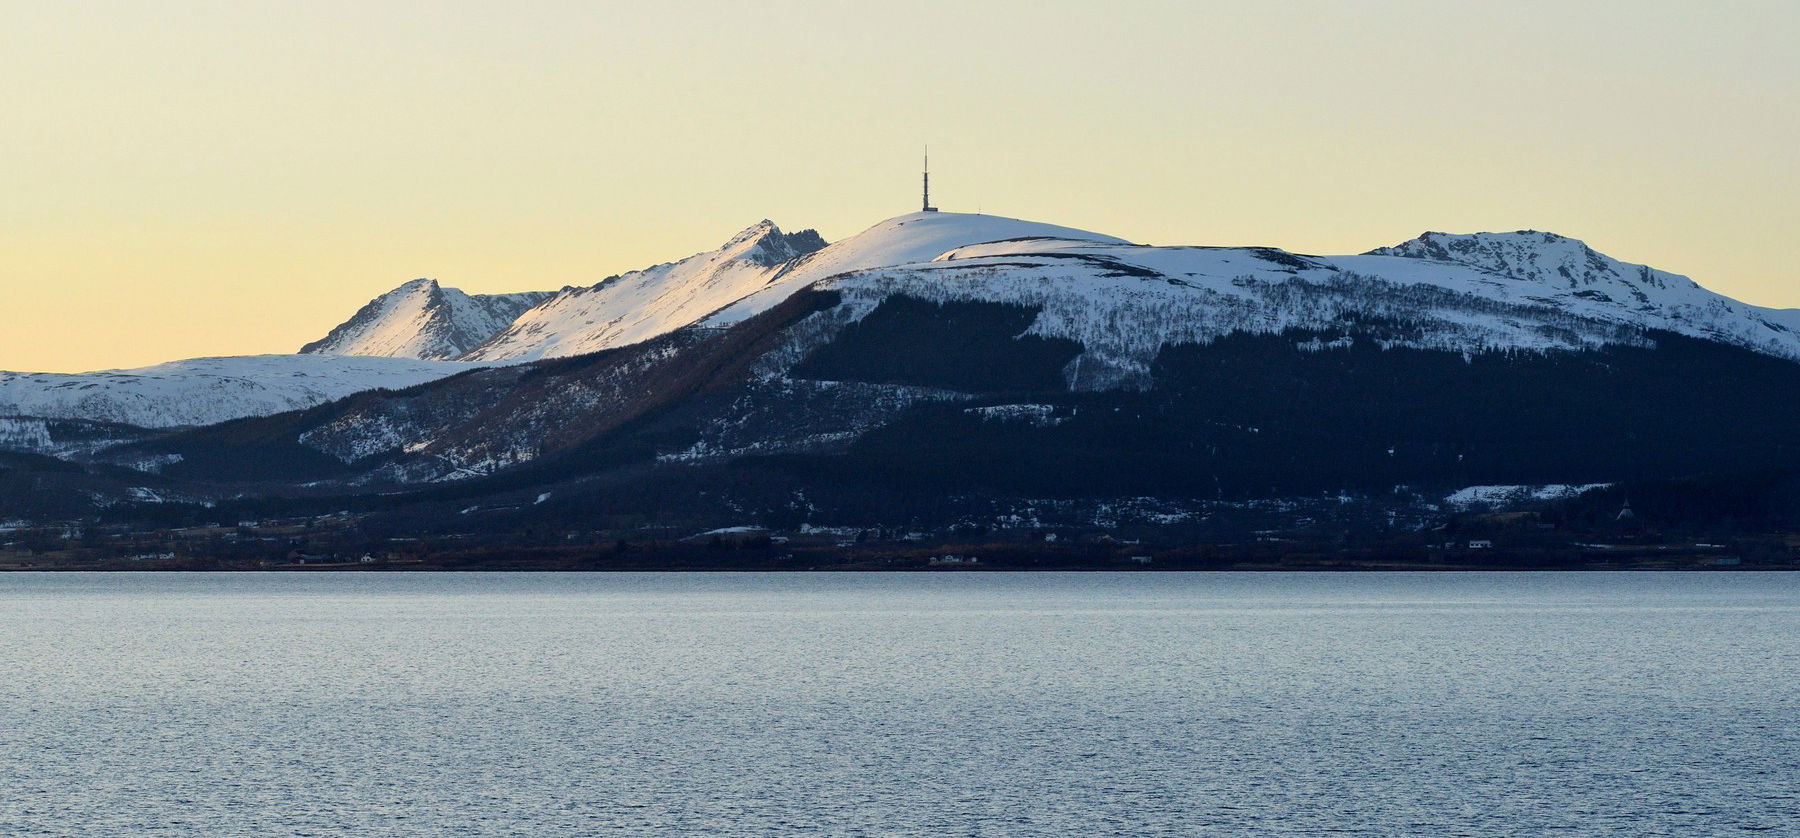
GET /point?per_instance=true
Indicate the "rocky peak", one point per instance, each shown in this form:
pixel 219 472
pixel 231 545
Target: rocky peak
pixel 1531 255
pixel 764 244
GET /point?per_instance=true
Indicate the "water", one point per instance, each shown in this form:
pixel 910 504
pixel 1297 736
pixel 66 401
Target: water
pixel 979 705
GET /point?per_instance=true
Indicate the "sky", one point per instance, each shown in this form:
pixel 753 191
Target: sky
pixel 184 179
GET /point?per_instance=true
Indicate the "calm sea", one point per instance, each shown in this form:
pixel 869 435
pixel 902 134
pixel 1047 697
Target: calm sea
pixel 840 705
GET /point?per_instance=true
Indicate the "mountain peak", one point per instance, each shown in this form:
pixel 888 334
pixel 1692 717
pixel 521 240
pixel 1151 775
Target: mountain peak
pixel 638 305
pixel 751 233
pixel 1533 255
pixel 424 320
pixel 1436 242
pixel 764 244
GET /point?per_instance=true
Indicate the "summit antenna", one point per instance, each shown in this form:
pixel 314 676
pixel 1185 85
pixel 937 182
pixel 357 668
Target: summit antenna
pixel 926 204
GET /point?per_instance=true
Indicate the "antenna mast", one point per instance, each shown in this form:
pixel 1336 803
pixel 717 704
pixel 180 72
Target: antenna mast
pixel 927 207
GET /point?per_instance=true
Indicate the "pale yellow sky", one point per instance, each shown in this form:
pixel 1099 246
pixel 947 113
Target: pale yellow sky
pixel 206 178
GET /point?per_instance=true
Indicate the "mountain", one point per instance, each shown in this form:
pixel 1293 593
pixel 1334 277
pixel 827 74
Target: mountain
pixel 1559 271
pixel 425 321
pixel 202 391
pixel 997 370
pixel 642 304
pixel 757 269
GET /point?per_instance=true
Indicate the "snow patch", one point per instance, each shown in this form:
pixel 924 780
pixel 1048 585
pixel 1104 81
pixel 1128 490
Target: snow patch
pixel 1474 496
pixel 1037 415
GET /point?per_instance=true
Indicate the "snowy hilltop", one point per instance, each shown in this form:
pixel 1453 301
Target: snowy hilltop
pixel 1559 271
pixel 425 321
pixel 632 307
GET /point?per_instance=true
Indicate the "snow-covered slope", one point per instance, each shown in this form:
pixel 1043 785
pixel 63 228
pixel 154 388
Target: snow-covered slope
pixel 63 437
pixel 1564 272
pixel 202 391
pixel 425 321
pixel 754 271
pixel 1124 303
pixel 640 305
pixel 915 237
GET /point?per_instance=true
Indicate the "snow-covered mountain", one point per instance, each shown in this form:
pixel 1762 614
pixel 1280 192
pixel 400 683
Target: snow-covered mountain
pixel 1488 291
pixel 202 391
pixel 1508 292
pixel 932 308
pixel 639 305
pixel 1114 310
pixel 1554 270
pixel 753 272
pixel 915 237
pixel 425 321
pixel 957 368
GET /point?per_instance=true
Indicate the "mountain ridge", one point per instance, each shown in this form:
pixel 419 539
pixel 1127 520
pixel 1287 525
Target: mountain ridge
pixel 964 371
pixel 423 320
pixel 1050 313
pixel 203 391
pixel 1123 303
pixel 642 304
pixel 760 266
